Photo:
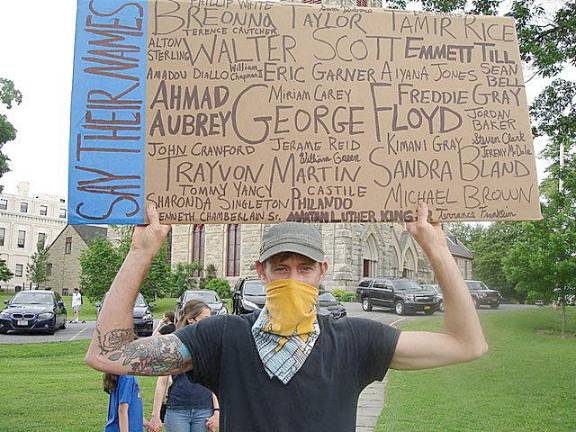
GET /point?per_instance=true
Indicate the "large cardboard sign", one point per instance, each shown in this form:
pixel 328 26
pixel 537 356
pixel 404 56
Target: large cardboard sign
pixel 220 111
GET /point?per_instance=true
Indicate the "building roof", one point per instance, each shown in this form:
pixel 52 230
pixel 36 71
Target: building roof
pixel 89 232
pixel 457 248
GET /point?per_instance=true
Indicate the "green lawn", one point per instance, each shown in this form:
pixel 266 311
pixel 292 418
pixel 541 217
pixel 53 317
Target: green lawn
pixel 49 388
pixel 527 381
pixel 88 310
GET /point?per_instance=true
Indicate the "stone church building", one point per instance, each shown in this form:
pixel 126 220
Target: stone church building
pixel 353 250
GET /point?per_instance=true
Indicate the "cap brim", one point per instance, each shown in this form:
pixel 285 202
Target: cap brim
pixel 307 251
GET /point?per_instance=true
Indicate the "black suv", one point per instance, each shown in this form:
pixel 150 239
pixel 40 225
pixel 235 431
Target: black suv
pixel 249 295
pixel 404 295
pixel 482 295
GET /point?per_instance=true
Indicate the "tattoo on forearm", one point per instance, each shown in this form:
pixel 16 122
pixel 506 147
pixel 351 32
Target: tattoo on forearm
pixel 155 356
pixel 113 341
pixel 159 355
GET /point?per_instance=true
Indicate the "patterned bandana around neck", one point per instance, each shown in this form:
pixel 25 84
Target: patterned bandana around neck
pixel 287 328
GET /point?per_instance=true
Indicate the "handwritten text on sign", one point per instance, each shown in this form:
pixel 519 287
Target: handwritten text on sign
pixel 262 112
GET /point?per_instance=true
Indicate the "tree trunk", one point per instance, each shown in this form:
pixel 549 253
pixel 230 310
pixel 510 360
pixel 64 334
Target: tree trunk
pixel 563 319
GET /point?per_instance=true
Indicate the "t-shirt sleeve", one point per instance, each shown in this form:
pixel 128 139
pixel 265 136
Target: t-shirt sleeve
pixel 125 389
pixel 376 347
pixel 204 342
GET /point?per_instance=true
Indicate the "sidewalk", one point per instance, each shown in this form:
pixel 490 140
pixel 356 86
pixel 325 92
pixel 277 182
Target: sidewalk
pixel 370 406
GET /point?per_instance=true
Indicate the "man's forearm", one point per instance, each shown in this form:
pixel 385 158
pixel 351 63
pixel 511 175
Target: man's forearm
pixel 114 327
pixel 460 318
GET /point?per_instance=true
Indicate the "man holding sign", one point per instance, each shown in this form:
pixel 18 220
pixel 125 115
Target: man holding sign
pixel 285 369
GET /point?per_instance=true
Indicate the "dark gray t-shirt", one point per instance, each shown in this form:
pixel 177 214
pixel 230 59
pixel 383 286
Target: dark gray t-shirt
pixel 349 354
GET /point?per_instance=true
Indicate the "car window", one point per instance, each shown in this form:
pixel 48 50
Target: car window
pixel 365 283
pixel 406 285
pixel 205 296
pixel 379 285
pixel 327 297
pixel 255 288
pixel 476 285
pixel 28 297
pixel 140 300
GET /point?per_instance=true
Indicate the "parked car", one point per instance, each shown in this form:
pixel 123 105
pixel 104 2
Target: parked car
pixel 436 288
pixel 209 297
pixel 482 295
pixel 403 295
pixel 34 311
pixel 249 295
pixel 327 301
pixel 141 314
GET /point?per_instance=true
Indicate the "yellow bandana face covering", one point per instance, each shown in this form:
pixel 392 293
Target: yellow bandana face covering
pixel 292 307
pixel 287 328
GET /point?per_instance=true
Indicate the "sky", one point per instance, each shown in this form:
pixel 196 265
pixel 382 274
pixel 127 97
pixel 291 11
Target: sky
pixel 37 54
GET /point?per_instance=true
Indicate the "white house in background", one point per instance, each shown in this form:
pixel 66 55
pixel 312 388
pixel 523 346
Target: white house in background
pixel 26 220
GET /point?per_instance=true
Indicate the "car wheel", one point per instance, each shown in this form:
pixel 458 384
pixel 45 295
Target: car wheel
pixel 495 305
pixel 399 308
pixel 366 304
pixel 442 308
pixel 63 326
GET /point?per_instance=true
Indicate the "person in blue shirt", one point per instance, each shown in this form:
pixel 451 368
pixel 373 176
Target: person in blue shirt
pixel 125 411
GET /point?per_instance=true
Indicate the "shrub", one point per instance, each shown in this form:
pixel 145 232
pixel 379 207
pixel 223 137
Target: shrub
pixel 221 286
pixel 344 296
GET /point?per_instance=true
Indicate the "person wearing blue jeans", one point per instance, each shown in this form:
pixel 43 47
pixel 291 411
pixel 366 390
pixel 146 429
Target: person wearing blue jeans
pixel 189 407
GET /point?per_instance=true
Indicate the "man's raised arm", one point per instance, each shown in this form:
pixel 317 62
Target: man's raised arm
pixel 113 348
pixel 462 339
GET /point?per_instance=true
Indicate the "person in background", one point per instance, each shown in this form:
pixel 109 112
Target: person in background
pixel 189 407
pixel 76 304
pixel 166 325
pixel 125 411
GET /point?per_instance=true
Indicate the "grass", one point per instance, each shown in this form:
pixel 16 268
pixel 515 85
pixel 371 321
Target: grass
pixel 88 310
pixel 47 387
pixel 525 383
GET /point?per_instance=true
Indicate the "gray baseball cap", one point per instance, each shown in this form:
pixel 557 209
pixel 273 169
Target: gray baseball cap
pixel 292 237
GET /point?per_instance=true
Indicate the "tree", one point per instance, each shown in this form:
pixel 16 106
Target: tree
pixel 37 268
pixel 5 273
pixel 542 262
pixel 102 259
pixel 8 96
pixel 99 264
pixel 183 277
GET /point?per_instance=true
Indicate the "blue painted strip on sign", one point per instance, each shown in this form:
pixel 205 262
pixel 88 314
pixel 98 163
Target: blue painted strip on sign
pixel 108 113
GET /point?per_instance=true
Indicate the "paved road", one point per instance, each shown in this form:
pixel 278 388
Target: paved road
pixel 84 331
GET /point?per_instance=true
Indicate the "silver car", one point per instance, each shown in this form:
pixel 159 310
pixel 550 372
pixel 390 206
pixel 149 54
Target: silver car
pixel 209 297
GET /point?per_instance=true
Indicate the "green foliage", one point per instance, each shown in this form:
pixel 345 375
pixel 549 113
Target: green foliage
pixel 183 278
pixel 543 258
pixel 344 296
pixel 158 278
pixel 99 263
pixel 5 273
pixel 37 268
pixel 8 95
pixel 221 286
pixel 102 259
